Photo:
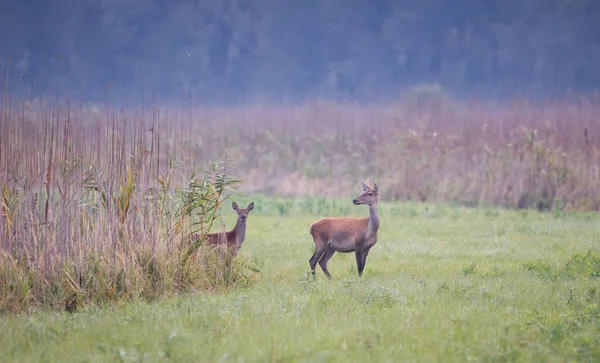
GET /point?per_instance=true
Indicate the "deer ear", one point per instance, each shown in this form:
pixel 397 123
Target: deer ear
pixel 235 206
pixel 375 187
pixel 364 187
pixel 250 206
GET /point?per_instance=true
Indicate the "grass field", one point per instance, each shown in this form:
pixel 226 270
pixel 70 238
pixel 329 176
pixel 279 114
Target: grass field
pixel 444 283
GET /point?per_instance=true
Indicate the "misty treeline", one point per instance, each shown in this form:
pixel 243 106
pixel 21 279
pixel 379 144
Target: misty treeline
pixel 244 49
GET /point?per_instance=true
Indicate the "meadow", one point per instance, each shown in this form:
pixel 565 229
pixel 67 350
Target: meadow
pixel 488 246
pixel 444 283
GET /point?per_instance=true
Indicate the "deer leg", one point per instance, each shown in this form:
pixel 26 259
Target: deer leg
pixel 323 261
pixel 363 261
pixel 319 252
pixel 358 254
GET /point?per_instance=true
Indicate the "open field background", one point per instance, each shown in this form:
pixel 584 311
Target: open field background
pixel 516 154
pixel 97 203
pixel 109 187
pixel 444 283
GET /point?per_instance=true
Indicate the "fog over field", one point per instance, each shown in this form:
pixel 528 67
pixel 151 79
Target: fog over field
pixel 241 50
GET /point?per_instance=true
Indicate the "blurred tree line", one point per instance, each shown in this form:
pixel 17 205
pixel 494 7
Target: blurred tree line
pixel 240 49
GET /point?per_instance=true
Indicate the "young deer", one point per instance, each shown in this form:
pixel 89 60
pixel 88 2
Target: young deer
pixel 233 239
pixel 347 234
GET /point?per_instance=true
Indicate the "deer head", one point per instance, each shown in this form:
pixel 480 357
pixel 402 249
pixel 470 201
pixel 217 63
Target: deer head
pixel 242 212
pixel 368 197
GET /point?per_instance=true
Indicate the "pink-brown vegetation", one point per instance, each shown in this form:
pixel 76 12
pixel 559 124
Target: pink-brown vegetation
pixel 517 155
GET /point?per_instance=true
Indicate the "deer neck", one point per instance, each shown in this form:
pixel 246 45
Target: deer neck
pixel 240 231
pixel 373 218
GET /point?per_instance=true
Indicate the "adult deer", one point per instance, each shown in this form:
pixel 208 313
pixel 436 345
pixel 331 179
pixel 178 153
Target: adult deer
pixel 345 235
pixel 233 239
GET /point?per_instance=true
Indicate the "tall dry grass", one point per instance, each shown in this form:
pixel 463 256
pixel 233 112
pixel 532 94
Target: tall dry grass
pixel 518 155
pixel 98 206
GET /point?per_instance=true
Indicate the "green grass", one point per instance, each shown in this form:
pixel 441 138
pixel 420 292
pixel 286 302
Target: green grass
pixel 444 283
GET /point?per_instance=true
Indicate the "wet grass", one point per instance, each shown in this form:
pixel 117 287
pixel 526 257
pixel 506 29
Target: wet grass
pixel 444 283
